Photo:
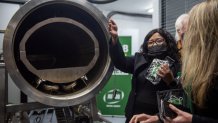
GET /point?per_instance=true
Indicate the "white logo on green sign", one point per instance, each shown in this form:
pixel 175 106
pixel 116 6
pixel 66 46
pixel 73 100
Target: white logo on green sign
pixel 111 98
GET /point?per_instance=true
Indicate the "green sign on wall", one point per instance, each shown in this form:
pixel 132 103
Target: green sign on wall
pixel 113 97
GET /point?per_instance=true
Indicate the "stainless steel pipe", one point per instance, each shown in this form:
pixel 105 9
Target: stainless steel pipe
pixel 56 51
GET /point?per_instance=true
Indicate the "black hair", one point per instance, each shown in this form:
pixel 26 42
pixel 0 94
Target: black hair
pixel 172 49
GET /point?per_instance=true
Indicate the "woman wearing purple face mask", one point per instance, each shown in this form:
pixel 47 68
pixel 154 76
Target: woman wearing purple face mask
pixel 158 44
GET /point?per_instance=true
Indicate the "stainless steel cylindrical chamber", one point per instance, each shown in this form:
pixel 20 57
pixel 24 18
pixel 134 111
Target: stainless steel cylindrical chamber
pixel 56 51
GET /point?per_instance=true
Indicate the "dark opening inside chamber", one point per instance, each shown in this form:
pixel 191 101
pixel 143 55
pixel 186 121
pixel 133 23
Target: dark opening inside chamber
pixel 59 45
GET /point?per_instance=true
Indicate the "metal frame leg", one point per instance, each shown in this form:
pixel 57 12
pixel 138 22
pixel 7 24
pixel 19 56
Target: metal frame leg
pixel 3 93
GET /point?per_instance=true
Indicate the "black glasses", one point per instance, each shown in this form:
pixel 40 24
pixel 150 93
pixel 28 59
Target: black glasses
pixel 157 41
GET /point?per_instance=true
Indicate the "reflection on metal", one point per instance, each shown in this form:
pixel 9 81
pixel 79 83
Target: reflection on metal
pixel 90 111
pixel 101 1
pixel 51 88
pixel 14 1
pixel 20 117
pixel 70 87
pixel 84 79
pixel 3 92
pixel 56 51
pixel 38 82
pixel 2 31
pixel 13 108
pixel 112 13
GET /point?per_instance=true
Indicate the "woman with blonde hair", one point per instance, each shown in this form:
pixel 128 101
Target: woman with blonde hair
pixel 199 70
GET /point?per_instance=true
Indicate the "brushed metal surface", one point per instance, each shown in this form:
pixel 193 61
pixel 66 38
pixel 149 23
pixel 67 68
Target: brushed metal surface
pixel 26 76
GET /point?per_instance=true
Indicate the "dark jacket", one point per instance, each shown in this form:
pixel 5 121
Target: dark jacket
pixel 210 113
pixel 142 97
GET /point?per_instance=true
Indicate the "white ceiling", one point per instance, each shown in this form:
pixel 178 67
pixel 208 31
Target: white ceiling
pixel 131 6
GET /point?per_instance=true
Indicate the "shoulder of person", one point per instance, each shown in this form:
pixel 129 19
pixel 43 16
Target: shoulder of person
pixel 138 54
pixel 215 81
pixel 214 85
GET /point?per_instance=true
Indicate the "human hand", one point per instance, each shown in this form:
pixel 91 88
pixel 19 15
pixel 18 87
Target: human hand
pixel 182 117
pixel 113 30
pixel 144 118
pixel 165 73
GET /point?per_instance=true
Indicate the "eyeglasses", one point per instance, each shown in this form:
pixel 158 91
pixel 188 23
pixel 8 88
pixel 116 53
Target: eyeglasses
pixel 157 41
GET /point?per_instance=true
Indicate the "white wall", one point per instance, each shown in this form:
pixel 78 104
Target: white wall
pixel 137 27
pixel 156 14
pixel 6 13
pixel 1 39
